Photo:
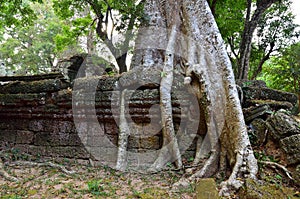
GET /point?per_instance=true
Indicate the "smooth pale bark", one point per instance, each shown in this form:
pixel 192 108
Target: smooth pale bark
pixel 123 135
pixel 166 106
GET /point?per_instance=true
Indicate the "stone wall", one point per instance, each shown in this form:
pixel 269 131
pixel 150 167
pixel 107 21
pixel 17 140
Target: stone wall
pixel 50 117
pixel 36 117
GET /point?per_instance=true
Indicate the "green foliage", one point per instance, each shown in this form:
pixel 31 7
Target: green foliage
pixel 95 188
pixel 33 36
pixel 31 49
pixel 283 72
pixel 104 18
pixel 261 156
pixel 276 30
pixel 16 13
pixel 230 17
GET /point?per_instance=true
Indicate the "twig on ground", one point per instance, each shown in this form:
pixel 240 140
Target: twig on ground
pixel 274 164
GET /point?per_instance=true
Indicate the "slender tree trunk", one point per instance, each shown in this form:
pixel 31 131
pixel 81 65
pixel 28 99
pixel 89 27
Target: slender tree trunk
pixel 90 42
pixel 262 61
pixel 123 135
pixel 121 61
pixel 251 23
pixel 120 54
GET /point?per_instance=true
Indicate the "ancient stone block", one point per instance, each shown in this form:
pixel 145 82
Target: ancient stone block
pixel 255 190
pixel 64 139
pixel 291 145
pixel 252 83
pixel 68 152
pixel 33 150
pixel 104 155
pixel 296 174
pixel 111 128
pixel 256 112
pixel 282 125
pixel 259 129
pixel 150 142
pixel 48 85
pixel 133 142
pixel 8 136
pixel 16 124
pixel 36 125
pixel 264 93
pixel 42 139
pixel 24 137
pixel 141 158
pixel 207 188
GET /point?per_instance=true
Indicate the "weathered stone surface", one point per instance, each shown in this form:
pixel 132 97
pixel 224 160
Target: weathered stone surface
pixel 259 129
pixel 49 151
pixel 206 188
pixel 102 83
pixel 144 142
pixel 255 190
pixel 275 105
pixel 252 83
pixel 8 123
pixel 282 125
pixel 255 112
pixel 296 174
pixel 30 78
pixel 8 136
pixel 50 85
pixel 148 78
pixel 263 93
pixel 37 116
pixel 24 137
pixel 291 146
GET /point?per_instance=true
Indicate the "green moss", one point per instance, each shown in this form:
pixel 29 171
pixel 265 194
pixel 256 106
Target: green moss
pixel 207 188
pixel 254 190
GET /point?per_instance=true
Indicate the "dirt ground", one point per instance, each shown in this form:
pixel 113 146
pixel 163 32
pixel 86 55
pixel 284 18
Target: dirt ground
pixel 89 182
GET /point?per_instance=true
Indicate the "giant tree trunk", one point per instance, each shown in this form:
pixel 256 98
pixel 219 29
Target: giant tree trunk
pixel 199 50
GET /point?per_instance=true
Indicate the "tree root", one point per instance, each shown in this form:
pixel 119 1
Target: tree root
pixel 209 168
pixel 245 167
pixel 8 177
pixel 5 175
pixel 42 164
pixel 274 164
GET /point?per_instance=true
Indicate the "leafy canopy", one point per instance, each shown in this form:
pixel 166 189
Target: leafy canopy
pixel 17 13
pixel 283 72
pixel 31 48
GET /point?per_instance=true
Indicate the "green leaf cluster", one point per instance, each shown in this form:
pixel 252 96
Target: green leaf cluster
pixel 31 48
pixel 283 72
pixel 16 13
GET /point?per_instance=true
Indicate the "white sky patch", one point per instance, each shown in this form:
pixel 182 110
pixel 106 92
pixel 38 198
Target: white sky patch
pixel 296 10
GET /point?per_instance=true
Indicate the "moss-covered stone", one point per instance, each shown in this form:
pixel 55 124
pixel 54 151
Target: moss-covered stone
pixel 255 190
pixel 48 85
pixel 291 146
pixel 263 93
pixel 296 174
pixel 207 188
